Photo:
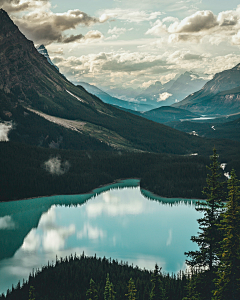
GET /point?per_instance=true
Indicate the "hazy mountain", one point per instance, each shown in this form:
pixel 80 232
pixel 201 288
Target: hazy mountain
pixel 42 50
pixel 48 110
pixel 175 90
pixel 218 96
pixel 166 114
pixel 105 97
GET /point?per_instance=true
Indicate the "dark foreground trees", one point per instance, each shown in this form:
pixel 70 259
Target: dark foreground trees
pixel 216 265
pixel 227 284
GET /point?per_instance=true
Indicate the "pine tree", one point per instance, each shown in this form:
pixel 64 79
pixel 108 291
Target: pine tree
pixel 109 293
pixel 228 274
pixel 209 236
pixel 92 293
pixel 157 291
pixel 31 293
pixel 131 295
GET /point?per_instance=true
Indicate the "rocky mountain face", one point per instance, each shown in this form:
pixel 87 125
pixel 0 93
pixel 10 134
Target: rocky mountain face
pixel 173 91
pixel 48 110
pixel 221 95
pixel 42 50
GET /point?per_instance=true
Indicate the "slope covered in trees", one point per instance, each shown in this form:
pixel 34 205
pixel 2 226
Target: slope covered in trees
pixel 28 174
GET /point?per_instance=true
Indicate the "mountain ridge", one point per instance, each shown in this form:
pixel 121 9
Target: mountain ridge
pixel 220 95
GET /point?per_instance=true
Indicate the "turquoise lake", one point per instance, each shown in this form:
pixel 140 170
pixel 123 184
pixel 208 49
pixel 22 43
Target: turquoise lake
pixel 119 221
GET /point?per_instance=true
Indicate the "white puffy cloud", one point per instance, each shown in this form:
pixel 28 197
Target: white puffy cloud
pixel 129 15
pixel 199 25
pixel 199 21
pixel 164 96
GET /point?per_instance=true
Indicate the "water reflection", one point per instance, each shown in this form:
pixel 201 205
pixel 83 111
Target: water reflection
pixel 117 223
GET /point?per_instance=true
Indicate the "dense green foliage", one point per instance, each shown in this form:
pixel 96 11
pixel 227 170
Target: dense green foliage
pixel 84 278
pixel 228 273
pixel 207 238
pixel 216 265
pixel 24 175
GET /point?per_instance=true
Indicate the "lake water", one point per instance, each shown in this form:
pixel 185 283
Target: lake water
pixel 118 221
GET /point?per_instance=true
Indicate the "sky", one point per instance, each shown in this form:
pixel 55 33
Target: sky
pixel 132 43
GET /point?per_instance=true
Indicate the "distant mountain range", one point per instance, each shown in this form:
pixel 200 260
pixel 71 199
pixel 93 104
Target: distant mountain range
pixel 105 97
pixel 48 110
pixel 221 95
pixel 173 91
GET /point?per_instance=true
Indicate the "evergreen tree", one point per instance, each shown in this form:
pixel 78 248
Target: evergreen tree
pixel 31 293
pixel 209 237
pixel 92 293
pixel 109 293
pixel 131 295
pixel 157 291
pixel 228 274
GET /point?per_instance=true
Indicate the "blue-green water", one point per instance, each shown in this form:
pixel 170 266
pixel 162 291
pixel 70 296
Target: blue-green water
pixel 119 221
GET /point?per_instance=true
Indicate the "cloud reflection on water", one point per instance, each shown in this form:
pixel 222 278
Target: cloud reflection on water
pixel 112 204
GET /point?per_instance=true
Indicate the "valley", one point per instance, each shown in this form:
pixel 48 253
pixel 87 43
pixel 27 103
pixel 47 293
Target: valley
pixel 119 172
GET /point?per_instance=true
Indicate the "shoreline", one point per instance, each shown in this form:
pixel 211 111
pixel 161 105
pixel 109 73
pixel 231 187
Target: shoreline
pixel 146 193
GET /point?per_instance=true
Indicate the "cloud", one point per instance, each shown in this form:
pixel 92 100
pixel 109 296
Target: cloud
pixel 55 167
pixel 13 6
pixel 32 241
pixel 72 38
pixel 91 232
pixel 5 128
pixel 198 26
pixel 164 96
pixel 129 15
pixel 112 205
pixel 6 223
pixel 201 20
pixel 236 38
pixel 54 239
pixel 45 27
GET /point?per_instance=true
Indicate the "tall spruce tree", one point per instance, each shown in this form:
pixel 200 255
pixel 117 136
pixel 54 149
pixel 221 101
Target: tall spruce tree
pixel 206 257
pixel 132 291
pixel 227 285
pixel 92 293
pixel 109 293
pixel 157 291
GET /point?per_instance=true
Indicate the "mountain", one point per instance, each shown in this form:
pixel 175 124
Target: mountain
pixel 221 95
pixel 175 90
pixel 49 111
pixel 42 50
pixel 166 114
pixel 105 97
